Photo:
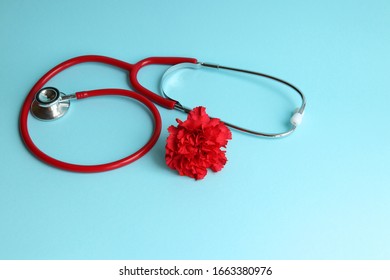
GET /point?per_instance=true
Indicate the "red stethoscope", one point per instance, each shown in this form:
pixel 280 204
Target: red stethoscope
pixel 47 103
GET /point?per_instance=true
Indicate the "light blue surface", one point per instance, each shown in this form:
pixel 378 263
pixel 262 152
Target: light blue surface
pixel 322 193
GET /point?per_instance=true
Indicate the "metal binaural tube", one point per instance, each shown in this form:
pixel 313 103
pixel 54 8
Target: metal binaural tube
pixel 298 114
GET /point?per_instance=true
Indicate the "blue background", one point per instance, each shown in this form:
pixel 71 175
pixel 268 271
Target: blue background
pixel 322 193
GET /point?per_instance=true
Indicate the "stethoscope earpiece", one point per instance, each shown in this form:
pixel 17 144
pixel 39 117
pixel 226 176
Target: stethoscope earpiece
pixel 50 104
pixel 295 120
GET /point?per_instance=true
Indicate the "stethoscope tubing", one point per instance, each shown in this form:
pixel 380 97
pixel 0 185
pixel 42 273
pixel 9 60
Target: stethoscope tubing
pixel 99 167
pixel 143 95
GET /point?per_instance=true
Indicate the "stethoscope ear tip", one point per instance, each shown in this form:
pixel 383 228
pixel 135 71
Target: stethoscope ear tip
pixel 297 117
pixel 49 105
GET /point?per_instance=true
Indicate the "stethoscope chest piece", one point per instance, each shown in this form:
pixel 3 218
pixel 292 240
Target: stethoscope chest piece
pixel 49 104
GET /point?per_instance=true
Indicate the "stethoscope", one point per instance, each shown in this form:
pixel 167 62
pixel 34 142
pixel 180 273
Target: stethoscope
pixel 48 103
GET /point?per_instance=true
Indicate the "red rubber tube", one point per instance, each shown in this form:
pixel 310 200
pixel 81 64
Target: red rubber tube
pixel 100 167
pixel 146 100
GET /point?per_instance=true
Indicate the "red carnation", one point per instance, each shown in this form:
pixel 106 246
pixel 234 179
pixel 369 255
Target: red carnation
pixel 195 144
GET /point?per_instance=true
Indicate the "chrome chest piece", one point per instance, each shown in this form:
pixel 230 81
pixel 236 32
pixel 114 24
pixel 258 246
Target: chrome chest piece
pixel 50 104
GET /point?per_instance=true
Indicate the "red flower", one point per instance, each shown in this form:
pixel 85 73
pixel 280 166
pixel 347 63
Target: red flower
pixel 195 144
